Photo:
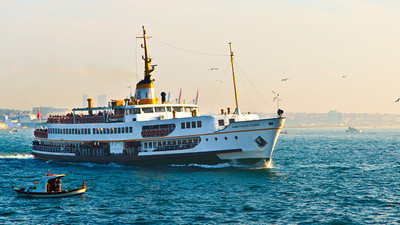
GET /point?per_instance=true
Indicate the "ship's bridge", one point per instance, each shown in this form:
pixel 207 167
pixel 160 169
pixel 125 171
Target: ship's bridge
pixel 159 111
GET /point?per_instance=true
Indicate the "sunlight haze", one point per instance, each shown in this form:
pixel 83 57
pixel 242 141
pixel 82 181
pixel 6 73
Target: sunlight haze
pixel 337 55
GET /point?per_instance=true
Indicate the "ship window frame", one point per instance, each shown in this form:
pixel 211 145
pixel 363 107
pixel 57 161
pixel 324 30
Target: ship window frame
pixel 169 109
pixel 221 122
pixel 183 125
pixel 150 144
pixel 193 124
pixel 130 130
pixel 148 110
pixel 199 123
pixel 159 109
pixel 177 108
pixel 137 111
pixel 122 130
pixel 94 130
pixel 188 124
pixel 126 130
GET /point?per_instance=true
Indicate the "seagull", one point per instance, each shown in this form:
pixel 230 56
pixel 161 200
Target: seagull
pixel 397 100
pixel 219 81
pixel 285 79
pixel 344 76
pixel 214 68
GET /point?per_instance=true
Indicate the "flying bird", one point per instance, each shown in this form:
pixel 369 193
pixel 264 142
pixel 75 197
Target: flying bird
pixel 344 76
pixel 214 68
pixel 398 100
pixel 285 79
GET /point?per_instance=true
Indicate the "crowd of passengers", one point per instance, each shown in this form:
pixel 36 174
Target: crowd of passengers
pixel 68 118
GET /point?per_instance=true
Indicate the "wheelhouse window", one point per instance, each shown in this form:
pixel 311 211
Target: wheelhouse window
pixel 188 124
pixel 148 110
pixel 221 122
pixel 159 109
pixel 169 109
pixel 177 109
pixel 183 125
pixel 198 123
pixel 193 124
pixel 136 111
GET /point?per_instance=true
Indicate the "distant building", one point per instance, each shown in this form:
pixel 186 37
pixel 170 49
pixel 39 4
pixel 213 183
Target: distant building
pixel 102 100
pixel 335 117
pixel 84 100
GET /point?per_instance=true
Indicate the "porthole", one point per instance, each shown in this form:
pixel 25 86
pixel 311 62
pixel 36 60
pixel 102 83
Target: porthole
pixel 236 137
pixel 206 139
pixel 216 139
pixel 226 138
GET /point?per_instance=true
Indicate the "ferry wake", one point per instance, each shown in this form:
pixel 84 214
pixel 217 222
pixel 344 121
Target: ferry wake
pixel 139 131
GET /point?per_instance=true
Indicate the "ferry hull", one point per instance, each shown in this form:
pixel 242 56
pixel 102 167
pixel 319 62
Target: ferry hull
pixel 247 142
pixel 208 158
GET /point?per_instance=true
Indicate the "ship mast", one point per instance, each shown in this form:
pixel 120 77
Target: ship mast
pixel 147 68
pixel 237 112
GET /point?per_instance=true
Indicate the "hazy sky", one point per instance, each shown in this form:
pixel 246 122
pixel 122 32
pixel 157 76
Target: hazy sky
pixel 53 52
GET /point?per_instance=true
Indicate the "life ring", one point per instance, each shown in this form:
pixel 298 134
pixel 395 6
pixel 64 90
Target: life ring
pixel 146 133
pixel 165 132
pixel 143 133
pixel 151 132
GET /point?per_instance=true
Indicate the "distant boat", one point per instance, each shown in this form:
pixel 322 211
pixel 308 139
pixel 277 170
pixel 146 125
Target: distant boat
pixel 354 130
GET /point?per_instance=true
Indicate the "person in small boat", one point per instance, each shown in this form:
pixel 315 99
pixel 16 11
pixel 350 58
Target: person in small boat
pixel 58 184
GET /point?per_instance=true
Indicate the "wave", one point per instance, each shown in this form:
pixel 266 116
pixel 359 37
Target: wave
pixel 218 166
pixel 86 164
pixel 17 156
pixel 260 165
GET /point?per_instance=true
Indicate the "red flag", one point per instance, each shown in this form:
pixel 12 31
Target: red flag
pixel 38 114
pixel 48 173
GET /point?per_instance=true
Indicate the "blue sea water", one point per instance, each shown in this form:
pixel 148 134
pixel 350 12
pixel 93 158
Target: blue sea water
pixel 317 176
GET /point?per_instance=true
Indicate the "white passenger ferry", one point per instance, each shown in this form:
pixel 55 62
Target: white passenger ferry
pixel 138 131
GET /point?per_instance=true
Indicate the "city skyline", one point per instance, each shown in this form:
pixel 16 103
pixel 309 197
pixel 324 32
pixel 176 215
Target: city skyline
pixel 337 55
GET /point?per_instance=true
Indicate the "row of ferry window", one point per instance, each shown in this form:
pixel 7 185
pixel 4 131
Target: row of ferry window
pixel 192 124
pixel 156 144
pixel 116 130
pixel 159 109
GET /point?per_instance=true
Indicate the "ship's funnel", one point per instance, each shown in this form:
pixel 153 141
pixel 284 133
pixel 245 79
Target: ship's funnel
pixel 145 92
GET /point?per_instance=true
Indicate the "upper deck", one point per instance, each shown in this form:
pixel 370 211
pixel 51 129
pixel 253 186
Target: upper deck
pixel 126 113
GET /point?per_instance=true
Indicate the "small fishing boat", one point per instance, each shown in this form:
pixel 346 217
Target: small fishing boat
pixel 354 130
pixel 48 187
